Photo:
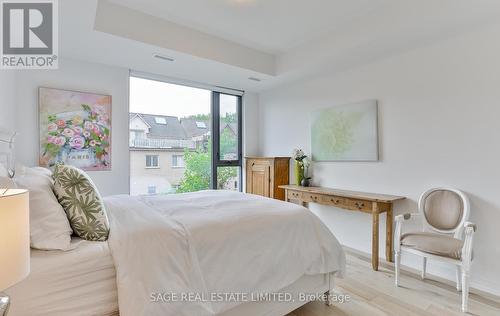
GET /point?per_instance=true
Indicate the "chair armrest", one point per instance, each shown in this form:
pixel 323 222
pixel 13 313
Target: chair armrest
pixel 400 219
pixel 470 225
pixel 470 229
pixel 407 216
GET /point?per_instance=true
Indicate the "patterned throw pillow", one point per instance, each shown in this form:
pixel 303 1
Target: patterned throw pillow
pixel 82 203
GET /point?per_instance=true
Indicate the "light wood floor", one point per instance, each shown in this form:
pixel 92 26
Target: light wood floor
pixel 374 293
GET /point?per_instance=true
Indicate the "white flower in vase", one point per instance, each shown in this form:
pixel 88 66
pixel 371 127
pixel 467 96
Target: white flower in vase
pixel 298 154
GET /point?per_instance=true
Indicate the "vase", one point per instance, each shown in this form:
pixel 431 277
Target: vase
pixel 299 173
pixel 81 158
pixel 305 182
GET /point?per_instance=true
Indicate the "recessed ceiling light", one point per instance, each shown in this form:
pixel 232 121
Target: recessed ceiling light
pixel 163 57
pixel 254 79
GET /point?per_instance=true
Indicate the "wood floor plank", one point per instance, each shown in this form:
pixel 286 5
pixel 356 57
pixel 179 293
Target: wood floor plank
pixel 442 311
pixel 352 286
pixel 398 307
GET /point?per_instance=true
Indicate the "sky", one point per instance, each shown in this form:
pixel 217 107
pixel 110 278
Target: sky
pixel 161 98
pixel 228 104
pixel 156 97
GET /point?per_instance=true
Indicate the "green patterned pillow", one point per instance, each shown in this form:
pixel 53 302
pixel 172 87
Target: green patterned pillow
pixel 82 202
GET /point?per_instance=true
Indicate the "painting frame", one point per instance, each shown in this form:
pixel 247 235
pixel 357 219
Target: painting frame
pixel 84 120
pixel 362 125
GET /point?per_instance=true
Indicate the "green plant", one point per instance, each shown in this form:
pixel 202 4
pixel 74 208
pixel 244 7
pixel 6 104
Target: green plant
pixel 197 173
pixel 198 165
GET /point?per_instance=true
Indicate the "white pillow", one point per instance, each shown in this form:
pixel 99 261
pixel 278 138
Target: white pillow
pixel 49 226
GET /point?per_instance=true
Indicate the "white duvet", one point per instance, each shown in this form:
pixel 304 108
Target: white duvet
pixel 182 254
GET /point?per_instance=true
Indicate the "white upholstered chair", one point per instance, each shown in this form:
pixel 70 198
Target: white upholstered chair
pixel 446 234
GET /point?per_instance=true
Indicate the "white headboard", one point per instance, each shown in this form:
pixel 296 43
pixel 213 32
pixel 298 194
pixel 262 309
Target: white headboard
pixel 7 151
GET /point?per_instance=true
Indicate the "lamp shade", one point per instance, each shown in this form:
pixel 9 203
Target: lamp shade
pixel 14 237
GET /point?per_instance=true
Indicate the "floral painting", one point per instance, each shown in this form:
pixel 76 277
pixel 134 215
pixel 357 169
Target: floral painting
pixel 75 129
pixel 345 133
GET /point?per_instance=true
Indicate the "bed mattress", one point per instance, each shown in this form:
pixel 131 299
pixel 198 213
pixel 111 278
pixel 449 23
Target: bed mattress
pixel 81 281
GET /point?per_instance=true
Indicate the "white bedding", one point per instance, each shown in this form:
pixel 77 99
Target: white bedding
pixel 212 242
pixel 77 282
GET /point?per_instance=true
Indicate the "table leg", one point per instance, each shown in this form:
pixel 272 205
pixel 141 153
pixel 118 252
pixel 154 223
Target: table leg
pixel 375 224
pixel 389 239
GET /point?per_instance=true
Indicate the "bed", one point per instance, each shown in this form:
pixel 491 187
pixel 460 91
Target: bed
pixel 209 243
pixel 81 281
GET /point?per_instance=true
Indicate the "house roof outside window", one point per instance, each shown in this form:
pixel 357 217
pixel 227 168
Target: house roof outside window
pixel 161 126
pixel 173 128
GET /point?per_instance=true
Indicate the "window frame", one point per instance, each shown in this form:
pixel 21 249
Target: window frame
pixel 149 191
pixel 157 162
pixel 160 120
pixel 177 166
pixel 140 133
pixel 216 159
pixel 200 124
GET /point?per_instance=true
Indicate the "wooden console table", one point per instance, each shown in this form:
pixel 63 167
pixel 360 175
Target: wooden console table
pixel 374 204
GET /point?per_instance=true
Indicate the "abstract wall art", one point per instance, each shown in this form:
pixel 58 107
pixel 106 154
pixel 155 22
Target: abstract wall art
pixel 346 132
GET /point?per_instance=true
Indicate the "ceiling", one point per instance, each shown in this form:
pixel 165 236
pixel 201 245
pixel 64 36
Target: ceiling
pixel 224 42
pixel 272 26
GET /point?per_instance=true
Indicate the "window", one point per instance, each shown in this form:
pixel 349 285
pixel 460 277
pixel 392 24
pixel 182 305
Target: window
pixel 201 125
pixel 177 161
pixel 227 142
pixel 152 161
pixel 151 189
pixel 160 120
pixel 201 140
pixel 139 134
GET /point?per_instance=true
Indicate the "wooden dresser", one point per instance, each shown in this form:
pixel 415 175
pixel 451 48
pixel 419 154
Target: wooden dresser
pixel 264 175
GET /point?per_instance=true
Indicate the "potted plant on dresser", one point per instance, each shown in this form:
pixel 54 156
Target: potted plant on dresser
pixel 301 167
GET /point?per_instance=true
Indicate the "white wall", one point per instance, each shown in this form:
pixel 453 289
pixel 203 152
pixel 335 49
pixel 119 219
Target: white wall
pixel 7 99
pixel 79 76
pixel 250 129
pixel 250 124
pixel 439 125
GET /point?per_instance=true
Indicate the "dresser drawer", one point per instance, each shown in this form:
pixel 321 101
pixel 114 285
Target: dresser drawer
pixel 294 195
pixel 311 197
pixel 359 205
pixel 333 201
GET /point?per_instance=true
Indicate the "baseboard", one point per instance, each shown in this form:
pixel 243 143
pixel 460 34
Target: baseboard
pixel 414 273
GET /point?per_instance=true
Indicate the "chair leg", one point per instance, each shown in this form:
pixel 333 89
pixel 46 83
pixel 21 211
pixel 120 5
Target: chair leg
pixel 397 261
pixel 424 267
pixel 328 295
pixel 465 290
pixel 459 273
